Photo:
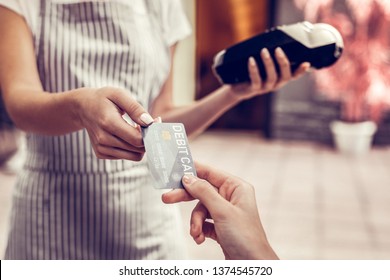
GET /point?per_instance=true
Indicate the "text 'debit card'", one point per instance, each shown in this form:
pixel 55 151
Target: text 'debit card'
pixel 168 154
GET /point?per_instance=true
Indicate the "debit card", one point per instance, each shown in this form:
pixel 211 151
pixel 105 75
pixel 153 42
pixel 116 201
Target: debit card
pixel 168 154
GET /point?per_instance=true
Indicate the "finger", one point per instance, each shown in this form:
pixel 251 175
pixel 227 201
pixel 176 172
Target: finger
pixel 254 73
pixel 209 231
pixel 212 175
pixel 175 196
pixel 102 156
pixel 224 182
pixel 99 155
pixel 117 153
pixel 269 69
pixel 124 131
pixel 200 238
pixel 198 217
pixel 284 65
pixel 302 69
pixel 107 139
pixel 207 194
pixel 127 103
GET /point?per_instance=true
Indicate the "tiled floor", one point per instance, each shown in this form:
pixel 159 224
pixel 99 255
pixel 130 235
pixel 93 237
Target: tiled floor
pixel 314 202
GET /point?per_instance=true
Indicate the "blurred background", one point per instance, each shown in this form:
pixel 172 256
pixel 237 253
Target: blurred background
pixel 316 201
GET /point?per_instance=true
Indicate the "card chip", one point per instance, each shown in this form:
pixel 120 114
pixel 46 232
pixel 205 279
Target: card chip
pixel 166 135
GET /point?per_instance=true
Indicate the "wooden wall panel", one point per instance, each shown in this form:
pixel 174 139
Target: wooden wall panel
pixel 219 24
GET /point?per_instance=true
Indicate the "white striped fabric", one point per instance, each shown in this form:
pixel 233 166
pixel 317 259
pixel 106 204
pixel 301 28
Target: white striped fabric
pixel 68 204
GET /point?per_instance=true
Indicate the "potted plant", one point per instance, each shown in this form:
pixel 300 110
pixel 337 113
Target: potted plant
pixel 361 78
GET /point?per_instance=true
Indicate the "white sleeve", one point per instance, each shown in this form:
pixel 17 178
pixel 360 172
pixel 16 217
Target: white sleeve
pixel 13 5
pixel 175 25
pixel 28 9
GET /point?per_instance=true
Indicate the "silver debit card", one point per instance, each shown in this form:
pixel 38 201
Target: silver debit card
pixel 168 154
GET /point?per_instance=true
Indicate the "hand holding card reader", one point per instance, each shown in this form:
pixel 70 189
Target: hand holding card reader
pixel 320 44
pixel 168 154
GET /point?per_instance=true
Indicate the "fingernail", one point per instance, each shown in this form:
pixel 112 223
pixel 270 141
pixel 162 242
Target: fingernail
pixel 188 179
pixel 279 51
pixel 158 120
pixel 146 118
pixel 252 61
pixel 127 118
pixel 265 53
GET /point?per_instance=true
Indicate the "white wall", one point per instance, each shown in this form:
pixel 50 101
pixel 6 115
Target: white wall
pixel 184 65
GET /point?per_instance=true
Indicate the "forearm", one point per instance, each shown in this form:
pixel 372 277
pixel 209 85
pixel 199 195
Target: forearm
pixel 202 113
pixel 44 113
pixel 28 105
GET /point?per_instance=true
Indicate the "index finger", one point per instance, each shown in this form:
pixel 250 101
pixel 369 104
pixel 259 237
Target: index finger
pixel 212 175
pixel 128 104
pixel 126 132
pixel 176 195
pixel 302 69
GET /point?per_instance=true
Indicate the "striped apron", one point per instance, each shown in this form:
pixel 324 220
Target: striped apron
pixel 68 204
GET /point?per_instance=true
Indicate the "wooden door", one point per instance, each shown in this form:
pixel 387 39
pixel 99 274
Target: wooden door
pixel 219 24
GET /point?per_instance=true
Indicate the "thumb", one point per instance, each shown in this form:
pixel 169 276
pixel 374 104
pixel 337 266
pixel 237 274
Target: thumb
pixel 134 110
pixel 206 193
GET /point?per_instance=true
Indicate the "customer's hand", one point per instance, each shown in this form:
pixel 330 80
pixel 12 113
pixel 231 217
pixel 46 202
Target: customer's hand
pixel 101 111
pixel 230 203
pixel 273 81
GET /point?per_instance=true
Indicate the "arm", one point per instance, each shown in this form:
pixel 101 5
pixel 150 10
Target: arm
pixel 34 110
pixel 202 113
pixel 231 204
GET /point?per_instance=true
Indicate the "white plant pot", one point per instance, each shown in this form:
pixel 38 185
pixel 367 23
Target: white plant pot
pixel 353 138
